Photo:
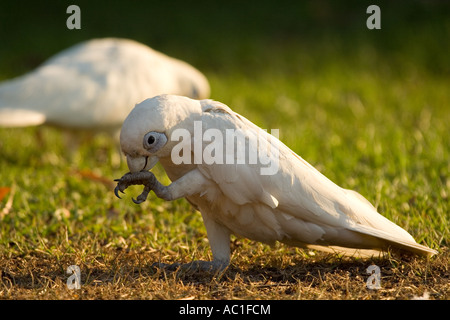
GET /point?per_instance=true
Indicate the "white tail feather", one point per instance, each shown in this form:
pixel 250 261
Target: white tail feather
pixel 20 118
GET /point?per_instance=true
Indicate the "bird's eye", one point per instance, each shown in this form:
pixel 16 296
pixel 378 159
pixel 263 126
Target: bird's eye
pixel 153 141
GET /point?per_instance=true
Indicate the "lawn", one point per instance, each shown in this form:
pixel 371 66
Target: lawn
pixel 369 108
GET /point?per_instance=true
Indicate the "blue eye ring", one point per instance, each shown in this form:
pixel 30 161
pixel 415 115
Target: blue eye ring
pixel 153 141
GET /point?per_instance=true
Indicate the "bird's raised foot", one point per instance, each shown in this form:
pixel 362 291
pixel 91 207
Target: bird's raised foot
pixel 145 178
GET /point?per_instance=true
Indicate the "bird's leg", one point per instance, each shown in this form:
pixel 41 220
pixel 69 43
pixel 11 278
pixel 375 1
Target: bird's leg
pixel 219 240
pixel 193 182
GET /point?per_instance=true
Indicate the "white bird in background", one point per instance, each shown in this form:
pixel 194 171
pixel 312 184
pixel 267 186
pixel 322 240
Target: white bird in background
pixel 296 205
pixel 93 86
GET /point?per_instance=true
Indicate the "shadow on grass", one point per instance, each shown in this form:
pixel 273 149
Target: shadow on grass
pixel 130 275
pixel 330 273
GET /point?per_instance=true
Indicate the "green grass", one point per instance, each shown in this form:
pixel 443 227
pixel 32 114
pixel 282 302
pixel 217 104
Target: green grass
pixel 370 110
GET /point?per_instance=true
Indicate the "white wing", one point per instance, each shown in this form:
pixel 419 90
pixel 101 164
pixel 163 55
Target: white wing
pixel 297 204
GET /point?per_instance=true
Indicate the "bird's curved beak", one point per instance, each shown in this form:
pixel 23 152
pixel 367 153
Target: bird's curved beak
pixel 136 164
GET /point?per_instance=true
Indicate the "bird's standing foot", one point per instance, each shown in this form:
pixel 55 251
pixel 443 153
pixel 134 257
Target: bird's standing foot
pixel 214 266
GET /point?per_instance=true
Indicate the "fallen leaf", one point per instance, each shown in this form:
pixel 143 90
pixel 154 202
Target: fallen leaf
pixel 3 192
pixel 8 205
pixel 88 174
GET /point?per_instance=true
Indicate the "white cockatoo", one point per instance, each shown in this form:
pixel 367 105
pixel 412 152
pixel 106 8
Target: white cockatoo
pixel 290 201
pixel 93 86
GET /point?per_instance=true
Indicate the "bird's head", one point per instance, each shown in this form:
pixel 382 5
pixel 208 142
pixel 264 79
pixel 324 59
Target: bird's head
pixel 146 132
pixel 191 82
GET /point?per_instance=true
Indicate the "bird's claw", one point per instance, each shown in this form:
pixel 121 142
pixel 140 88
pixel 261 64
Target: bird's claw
pixel 142 197
pixel 145 178
pixel 117 189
